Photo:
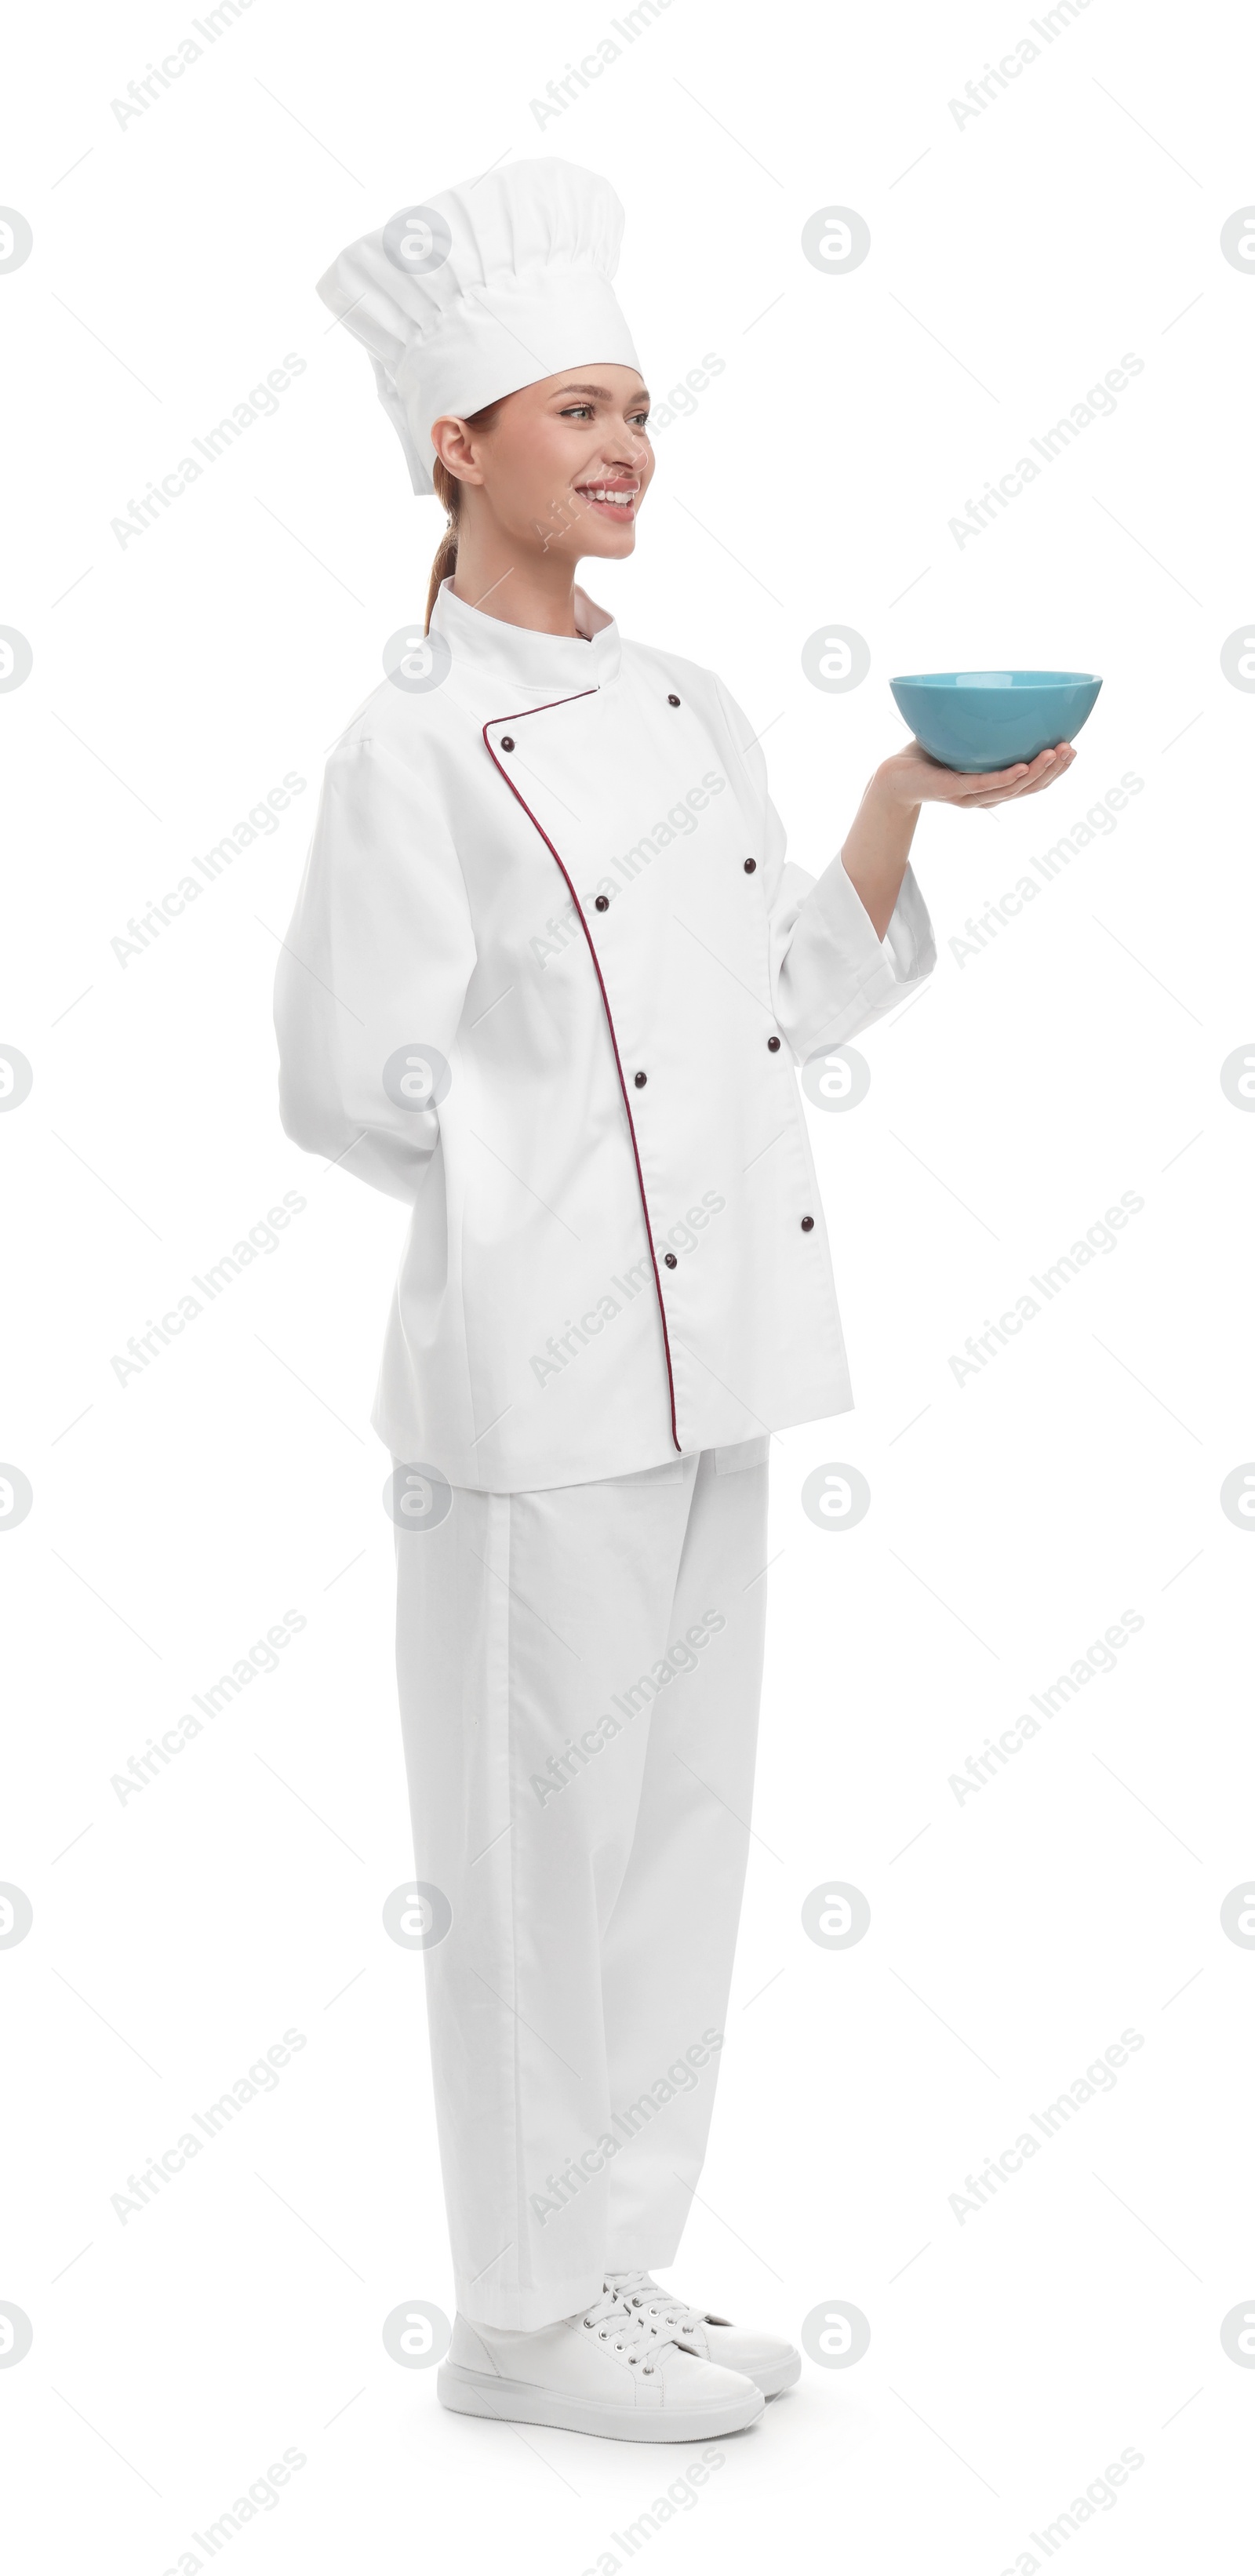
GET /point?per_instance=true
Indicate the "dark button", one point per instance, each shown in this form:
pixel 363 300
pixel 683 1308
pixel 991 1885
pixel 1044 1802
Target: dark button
pixel 603 903
pixel 669 1258
pixel 507 742
pixel 750 866
pixel 773 1046
pixel 807 1223
pixel 640 1080
pixel 672 701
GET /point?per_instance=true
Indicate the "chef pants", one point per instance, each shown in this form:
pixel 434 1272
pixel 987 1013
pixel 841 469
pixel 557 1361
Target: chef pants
pixel 579 1677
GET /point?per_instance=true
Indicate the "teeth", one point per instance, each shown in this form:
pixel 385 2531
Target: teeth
pixel 621 500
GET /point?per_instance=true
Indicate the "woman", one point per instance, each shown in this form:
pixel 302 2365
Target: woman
pixel 547 981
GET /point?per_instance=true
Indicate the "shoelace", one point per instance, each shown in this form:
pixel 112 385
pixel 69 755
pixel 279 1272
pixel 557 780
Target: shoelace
pixel 641 2343
pixel 637 2290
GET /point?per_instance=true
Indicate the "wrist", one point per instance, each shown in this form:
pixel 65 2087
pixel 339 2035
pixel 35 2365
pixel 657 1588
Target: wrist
pixel 892 786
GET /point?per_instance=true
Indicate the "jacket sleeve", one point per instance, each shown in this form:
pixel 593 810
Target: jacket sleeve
pixel 373 973
pixel 830 974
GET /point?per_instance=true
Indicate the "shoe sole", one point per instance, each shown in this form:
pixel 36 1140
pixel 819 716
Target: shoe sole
pixel 785 2375
pixel 514 2401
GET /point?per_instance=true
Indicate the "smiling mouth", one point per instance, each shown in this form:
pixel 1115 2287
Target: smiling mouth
pixel 615 499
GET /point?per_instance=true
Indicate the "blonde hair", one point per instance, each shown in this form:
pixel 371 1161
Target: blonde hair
pixel 449 491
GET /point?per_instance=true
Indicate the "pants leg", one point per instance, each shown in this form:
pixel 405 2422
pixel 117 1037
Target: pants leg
pixel 538 1645
pixel 667 1956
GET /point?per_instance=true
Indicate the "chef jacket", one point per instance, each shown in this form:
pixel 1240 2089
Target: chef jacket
pixel 547 980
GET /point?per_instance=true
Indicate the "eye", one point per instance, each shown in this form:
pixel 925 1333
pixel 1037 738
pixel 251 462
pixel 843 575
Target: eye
pixel 575 411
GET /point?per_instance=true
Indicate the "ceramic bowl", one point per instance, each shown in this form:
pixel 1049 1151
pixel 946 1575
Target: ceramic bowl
pixel 982 720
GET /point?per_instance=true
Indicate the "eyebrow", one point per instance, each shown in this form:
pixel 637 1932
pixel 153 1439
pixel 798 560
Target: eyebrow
pixel 601 393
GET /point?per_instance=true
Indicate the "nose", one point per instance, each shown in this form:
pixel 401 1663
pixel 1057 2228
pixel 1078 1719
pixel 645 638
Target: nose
pixel 629 447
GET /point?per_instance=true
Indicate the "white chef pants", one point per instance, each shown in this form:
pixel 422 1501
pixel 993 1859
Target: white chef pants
pixel 579 1677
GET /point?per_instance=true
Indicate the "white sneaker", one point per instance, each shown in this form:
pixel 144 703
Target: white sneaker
pixel 767 2359
pixel 607 2371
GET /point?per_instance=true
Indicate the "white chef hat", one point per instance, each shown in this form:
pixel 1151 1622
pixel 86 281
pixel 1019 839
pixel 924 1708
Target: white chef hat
pixel 482 290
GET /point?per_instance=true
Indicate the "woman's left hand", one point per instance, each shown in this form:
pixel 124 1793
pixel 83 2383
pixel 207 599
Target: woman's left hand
pixel 912 778
pixel 877 846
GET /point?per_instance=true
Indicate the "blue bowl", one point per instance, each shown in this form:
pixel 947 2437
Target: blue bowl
pixel 982 720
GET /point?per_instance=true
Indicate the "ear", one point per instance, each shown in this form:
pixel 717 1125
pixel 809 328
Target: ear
pixel 455 446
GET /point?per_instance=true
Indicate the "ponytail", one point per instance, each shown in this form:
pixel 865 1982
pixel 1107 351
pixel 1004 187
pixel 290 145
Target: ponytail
pixel 449 491
pixel 446 556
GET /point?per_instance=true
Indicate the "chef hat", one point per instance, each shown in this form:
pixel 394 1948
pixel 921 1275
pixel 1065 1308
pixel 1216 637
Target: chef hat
pixel 482 290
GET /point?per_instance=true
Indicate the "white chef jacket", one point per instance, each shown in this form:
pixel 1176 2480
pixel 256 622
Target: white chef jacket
pixel 547 979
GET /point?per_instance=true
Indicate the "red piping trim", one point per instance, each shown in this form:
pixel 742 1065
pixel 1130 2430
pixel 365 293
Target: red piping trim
pixel 605 999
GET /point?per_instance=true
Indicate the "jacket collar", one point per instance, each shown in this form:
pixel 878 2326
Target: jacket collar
pixel 519 660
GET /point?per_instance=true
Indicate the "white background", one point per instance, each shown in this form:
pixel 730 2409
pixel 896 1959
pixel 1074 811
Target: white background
pixel 1015 258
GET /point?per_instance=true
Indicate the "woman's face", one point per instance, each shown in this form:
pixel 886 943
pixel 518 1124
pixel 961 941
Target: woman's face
pixel 566 464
